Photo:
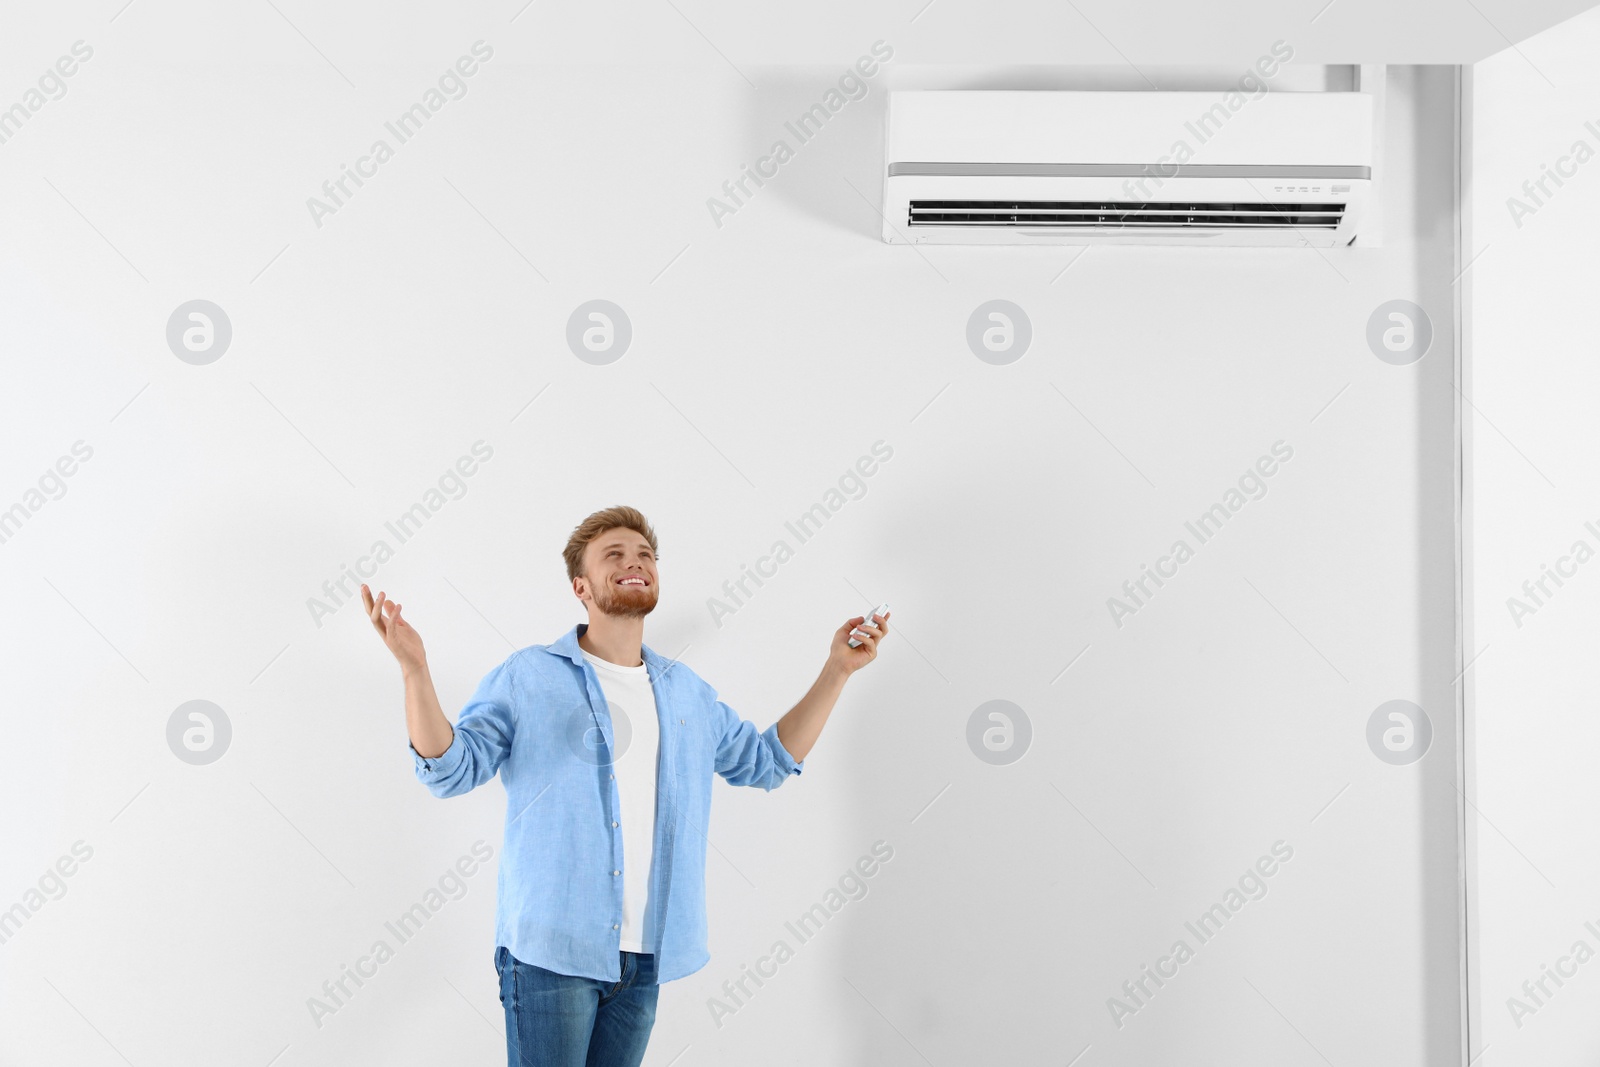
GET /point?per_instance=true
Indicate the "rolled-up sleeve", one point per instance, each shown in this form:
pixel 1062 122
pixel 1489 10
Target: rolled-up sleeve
pixel 748 756
pixel 483 733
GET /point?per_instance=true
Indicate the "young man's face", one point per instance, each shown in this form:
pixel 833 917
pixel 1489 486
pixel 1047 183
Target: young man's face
pixel 620 574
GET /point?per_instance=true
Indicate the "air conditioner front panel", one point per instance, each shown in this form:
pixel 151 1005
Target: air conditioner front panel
pixel 1074 126
pixel 1004 167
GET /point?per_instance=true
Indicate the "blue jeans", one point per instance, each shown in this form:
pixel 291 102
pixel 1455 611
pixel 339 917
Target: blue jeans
pixel 560 1020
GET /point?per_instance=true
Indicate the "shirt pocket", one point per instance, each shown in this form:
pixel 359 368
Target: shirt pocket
pixel 695 749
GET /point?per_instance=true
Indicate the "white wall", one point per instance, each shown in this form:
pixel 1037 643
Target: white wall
pixel 768 355
pixel 1532 490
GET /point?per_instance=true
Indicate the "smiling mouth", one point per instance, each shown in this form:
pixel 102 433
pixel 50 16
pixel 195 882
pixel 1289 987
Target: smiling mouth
pixel 634 583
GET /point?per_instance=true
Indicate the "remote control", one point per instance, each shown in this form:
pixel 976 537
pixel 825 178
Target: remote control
pixel 882 609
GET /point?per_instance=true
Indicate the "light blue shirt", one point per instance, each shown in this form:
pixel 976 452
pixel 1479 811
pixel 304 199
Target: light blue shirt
pixel 541 720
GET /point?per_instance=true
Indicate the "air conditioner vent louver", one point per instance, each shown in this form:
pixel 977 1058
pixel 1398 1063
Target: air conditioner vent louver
pixel 1119 214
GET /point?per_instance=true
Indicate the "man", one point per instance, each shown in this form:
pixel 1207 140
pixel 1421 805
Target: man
pixel 606 751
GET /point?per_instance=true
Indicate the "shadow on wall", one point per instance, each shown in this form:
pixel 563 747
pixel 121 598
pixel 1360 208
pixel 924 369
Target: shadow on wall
pixel 827 163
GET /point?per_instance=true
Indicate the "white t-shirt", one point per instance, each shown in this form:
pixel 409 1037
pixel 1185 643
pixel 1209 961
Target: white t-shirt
pixel 627 690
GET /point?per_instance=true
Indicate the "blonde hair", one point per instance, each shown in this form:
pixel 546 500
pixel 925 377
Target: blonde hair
pixel 607 519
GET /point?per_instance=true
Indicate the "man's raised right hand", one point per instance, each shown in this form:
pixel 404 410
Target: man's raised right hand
pixel 402 639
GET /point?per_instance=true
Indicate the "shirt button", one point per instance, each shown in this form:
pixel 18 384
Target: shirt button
pixel 613 926
pixel 616 872
pixel 613 822
pixel 680 722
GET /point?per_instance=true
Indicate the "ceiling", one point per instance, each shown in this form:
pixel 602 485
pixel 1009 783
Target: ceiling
pixel 735 34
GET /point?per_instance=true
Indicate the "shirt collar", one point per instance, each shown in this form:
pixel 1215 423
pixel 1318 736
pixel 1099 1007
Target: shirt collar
pixel 568 647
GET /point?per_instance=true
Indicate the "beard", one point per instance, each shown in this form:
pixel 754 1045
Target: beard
pixel 626 601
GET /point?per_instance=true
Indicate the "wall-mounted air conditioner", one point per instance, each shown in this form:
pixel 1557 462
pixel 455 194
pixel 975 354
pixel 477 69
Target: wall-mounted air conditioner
pixel 1201 168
